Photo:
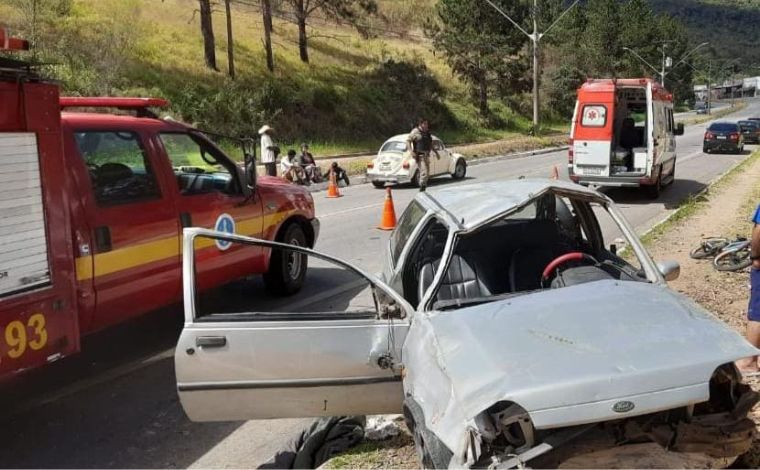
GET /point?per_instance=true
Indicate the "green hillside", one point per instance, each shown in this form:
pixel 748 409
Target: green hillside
pixel 354 92
pixel 731 26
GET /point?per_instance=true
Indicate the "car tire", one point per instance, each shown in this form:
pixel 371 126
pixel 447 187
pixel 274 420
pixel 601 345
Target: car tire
pixel 460 170
pixel 378 184
pixel 430 450
pixel 653 191
pixel 705 150
pixel 673 173
pixel 287 270
pixel 415 181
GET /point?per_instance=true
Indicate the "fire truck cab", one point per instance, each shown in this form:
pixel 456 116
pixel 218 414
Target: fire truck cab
pixel 623 135
pixel 93 205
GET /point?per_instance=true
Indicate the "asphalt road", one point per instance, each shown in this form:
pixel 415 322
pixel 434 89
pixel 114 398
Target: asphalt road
pixel 115 405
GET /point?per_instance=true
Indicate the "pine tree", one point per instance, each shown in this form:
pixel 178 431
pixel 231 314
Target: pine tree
pixel 479 44
pixel 350 11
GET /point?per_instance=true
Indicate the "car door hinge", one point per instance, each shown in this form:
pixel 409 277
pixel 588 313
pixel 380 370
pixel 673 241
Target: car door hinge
pixel 387 361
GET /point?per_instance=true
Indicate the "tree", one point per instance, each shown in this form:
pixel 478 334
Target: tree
pixel 230 42
pixel 37 19
pixel 639 33
pixel 342 10
pixel 601 46
pixel 266 11
pixel 479 45
pixel 207 30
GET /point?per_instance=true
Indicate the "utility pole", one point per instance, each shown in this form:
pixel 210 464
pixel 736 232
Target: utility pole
pixel 662 74
pixel 535 37
pixel 709 86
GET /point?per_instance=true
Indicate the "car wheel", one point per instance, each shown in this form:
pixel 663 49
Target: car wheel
pixel 378 184
pixel 653 191
pixel 705 150
pixel 460 171
pixel 430 450
pixel 415 181
pixel 673 174
pixel 287 269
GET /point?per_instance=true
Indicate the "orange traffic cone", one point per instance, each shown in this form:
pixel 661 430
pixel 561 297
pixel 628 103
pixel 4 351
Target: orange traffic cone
pixel 332 186
pixel 388 222
pixel 555 173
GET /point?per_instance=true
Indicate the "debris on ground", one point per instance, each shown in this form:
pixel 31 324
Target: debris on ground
pixel 382 427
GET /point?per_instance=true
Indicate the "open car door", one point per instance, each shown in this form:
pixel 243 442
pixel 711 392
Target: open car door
pixel 332 349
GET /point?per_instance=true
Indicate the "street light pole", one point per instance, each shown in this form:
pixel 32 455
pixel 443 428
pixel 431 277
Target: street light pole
pixel 709 86
pixel 535 37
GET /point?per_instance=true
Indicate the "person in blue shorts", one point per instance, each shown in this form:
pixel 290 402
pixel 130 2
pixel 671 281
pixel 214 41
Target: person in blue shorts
pixel 750 365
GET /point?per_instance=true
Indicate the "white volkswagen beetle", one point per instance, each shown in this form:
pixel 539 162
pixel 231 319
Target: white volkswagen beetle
pixel 394 164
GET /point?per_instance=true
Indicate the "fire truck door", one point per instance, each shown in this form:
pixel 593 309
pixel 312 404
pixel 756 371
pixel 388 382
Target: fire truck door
pixel 133 263
pixel 209 195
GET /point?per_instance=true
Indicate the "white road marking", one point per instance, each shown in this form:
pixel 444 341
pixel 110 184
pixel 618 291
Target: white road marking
pixel 353 209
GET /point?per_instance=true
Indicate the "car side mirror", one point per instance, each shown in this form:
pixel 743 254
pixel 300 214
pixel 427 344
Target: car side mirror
pixel 679 129
pixel 670 270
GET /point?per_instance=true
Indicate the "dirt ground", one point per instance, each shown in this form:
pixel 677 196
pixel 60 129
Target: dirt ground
pixel 725 210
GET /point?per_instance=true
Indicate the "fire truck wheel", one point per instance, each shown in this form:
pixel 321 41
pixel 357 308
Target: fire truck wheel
pixel 287 269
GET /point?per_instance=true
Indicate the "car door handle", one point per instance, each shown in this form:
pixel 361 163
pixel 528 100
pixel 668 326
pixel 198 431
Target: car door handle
pixel 210 341
pixel 103 239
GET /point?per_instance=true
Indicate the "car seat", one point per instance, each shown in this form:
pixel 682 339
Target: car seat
pixel 460 281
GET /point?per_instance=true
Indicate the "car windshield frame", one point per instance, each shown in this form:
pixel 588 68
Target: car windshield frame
pixel 648 271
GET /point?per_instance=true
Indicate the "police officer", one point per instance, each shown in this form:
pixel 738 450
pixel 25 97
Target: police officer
pixel 420 143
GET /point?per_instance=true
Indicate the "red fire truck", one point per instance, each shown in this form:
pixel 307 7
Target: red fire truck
pixel 92 205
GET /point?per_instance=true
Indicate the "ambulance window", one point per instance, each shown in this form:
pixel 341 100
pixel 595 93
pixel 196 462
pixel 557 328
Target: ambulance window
pixel 199 168
pixel 594 115
pixel 120 171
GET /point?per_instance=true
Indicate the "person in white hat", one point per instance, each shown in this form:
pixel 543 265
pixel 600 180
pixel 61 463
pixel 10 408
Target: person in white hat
pixel 269 150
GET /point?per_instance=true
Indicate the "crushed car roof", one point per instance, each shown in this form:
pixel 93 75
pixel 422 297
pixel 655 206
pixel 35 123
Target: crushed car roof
pixel 473 205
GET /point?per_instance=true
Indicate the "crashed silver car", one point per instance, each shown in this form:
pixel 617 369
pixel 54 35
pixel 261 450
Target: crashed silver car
pixel 516 323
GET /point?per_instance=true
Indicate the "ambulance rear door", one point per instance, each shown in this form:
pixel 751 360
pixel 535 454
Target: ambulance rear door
pixel 592 132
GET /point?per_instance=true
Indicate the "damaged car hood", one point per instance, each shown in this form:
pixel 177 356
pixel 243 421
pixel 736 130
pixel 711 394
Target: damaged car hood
pixel 566 356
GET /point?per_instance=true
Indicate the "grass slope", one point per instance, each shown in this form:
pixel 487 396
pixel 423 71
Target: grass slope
pixel 354 93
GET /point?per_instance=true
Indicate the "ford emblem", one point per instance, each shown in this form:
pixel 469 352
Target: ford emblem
pixel 623 406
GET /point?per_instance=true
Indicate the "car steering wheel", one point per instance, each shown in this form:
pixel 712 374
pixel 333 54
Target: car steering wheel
pixel 560 260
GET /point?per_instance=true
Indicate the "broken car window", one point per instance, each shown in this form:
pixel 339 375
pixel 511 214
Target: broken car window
pixel 527 250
